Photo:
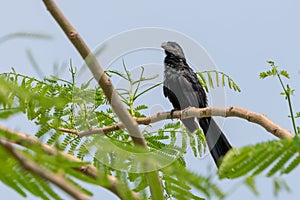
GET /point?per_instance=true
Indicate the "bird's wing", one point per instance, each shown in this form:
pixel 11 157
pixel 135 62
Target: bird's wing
pixel 181 94
pixel 180 90
pixel 197 89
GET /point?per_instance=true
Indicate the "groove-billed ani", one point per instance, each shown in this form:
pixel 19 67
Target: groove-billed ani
pixel 183 89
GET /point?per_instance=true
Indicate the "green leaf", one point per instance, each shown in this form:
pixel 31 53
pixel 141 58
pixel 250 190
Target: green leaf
pixel 202 80
pixel 263 75
pixel 210 81
pixel 274 71
pixel 230 83
pixel 284 73
pixel 217 78
pixel 146 90
pixel 293 164
pixel 279 184
pixel 250 182
pixel 4 114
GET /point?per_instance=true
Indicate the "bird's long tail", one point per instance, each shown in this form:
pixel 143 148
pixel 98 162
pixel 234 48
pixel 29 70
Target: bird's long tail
pixel 215 138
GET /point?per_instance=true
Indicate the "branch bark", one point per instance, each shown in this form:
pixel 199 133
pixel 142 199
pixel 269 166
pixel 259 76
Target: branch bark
pixel 108 89
pixel 98 73
pixel 232 111
pixel 28 141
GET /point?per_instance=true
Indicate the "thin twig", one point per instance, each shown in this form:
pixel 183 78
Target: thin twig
pixel 28 141
pixel 288 96
pixel 232 111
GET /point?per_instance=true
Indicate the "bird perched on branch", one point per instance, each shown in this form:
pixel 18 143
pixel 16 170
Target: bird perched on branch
pixel 182 87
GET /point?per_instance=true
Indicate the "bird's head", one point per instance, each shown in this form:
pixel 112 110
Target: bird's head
pixel 172 48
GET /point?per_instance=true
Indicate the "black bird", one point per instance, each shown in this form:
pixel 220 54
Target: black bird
pixel 182 88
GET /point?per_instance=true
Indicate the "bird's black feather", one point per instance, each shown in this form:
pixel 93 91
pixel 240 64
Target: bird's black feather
pixel 182 88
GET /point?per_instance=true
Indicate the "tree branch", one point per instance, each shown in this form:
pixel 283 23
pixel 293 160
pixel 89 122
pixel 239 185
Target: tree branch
pixel 232 111
pixel 108 89
pixel 34 168
pixel 98 73
pixel 28 141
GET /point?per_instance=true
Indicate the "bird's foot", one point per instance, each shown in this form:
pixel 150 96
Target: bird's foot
pixel 171 112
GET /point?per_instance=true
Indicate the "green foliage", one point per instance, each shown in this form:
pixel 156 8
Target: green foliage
pixel 23 181
pixel 28 95
pixel 287 91
pixel 178 181
pixel 208 82
pixel 276 156
pixel 53 103
pixel 131 93
pixel 279 185
pixel 274 71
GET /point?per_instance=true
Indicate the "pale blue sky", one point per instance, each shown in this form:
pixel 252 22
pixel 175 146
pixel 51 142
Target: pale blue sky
pixel 239 37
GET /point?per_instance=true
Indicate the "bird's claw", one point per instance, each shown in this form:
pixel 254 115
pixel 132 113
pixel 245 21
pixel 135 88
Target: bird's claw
pixel 171 113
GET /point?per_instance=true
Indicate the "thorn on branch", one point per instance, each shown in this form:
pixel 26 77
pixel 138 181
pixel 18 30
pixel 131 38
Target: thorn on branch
pixel 73 34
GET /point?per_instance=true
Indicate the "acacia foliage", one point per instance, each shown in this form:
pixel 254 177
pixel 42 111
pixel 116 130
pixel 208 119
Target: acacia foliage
pixel 54 104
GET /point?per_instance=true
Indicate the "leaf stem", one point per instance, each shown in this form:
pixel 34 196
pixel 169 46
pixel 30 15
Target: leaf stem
pixel 288 96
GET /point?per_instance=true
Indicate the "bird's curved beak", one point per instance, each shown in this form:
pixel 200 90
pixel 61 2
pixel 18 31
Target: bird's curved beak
pixel 164 45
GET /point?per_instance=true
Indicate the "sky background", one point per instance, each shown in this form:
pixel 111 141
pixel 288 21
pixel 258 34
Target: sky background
pixel 239 36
